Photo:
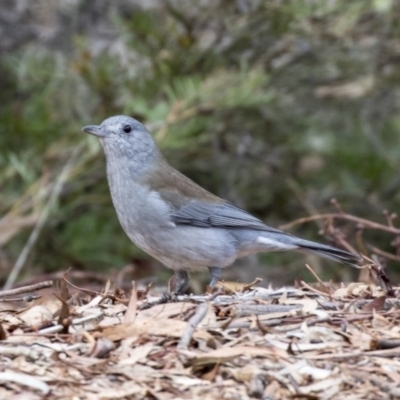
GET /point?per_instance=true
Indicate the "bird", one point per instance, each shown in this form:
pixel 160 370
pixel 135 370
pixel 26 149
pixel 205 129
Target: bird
pixel 178 222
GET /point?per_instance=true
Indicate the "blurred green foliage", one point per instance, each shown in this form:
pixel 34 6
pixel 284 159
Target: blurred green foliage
pixel 277 106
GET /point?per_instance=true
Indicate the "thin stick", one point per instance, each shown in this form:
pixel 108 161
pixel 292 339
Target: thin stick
pixel 26 299
pixel 78 321
pixel 42 220
pixel 130 314
pixel 249 286
pixel 316 276
pixel 303 284
pixel 367 224
pixel 26 289
pixel 192 325
pixel 26 380
pixel 384 253
pixel 87 291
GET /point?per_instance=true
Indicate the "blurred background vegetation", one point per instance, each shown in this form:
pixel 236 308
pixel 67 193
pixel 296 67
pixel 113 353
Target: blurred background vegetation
pixel 277 106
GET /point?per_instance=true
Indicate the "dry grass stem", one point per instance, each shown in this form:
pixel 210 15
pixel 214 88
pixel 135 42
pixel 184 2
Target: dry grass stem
pixel 26 289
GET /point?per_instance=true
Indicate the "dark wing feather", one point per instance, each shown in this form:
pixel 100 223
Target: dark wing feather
pixel 223 215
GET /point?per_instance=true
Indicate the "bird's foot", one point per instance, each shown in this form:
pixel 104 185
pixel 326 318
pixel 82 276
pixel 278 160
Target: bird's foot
pixel 168 297
pixel 165 298
pixel 179 283
pixel 215 273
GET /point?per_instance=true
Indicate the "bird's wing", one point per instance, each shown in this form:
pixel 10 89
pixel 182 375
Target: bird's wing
pixel 193 205
pixel 223 215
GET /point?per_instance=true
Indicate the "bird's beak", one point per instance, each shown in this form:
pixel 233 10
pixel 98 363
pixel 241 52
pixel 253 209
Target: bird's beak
pixel 95 130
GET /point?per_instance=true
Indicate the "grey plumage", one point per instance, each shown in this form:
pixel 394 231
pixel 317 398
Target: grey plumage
pixel 175 220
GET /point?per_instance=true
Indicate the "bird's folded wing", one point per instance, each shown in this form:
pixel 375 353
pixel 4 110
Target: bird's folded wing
pixel 223 215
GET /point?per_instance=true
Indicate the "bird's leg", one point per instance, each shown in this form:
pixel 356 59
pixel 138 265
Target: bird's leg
pixel 215 273
pixel 182 282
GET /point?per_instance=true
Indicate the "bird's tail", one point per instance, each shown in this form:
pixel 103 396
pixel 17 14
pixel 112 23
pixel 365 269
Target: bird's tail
pixel 325 251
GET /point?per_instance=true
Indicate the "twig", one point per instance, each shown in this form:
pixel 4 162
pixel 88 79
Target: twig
pixel 42 220
pixel 192 325
pixel 130 314
pixel 385 254
pixel 249 286
pixel 242 310
pixel 318 279
pixel 217 293
pixel 305 285
pixel 341 242
pixel 26 299
pixel 78 321
pixel 337 205
pixel 367 224
pixel 26 289
pixel 390 218
pixel 165 298
pixel 359 239
pixel 381 275
pixel 26 380
pixel 87 291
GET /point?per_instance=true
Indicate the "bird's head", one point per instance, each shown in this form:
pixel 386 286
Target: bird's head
pixel 123 137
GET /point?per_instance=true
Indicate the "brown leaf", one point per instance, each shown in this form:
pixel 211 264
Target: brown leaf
pixel 229 353
pixel 211 374
pixel 37 316
pixel 168 310
pixel 64 318
pixel 152 326
pixel 377 304
pixel 63 288
pixel 3 334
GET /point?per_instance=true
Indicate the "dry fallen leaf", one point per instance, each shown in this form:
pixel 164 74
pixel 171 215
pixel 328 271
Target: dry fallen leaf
pixel 229 353
pixel 377 304
pixel 168 310
pixel 137 354
pixel 310 352
pixel 309 305
pixel 36 316
pixel 152 326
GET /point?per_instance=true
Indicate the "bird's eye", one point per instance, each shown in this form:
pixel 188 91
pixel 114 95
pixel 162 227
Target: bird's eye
pixel 127 128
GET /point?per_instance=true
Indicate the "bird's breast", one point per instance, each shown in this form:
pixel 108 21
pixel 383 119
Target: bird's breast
pixel 140 211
